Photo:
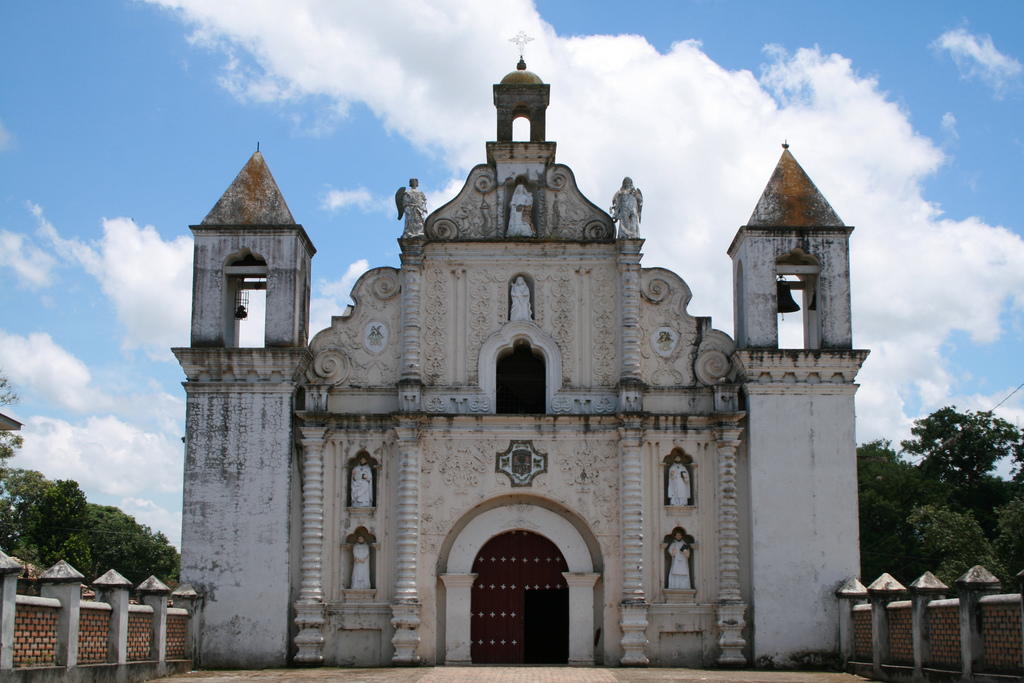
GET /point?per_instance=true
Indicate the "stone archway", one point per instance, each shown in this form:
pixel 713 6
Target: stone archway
pixel 580 576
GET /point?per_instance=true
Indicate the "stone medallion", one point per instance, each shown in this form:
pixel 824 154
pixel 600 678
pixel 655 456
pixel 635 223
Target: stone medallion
pixel 521 462
pixel 375 336
pixel 664 341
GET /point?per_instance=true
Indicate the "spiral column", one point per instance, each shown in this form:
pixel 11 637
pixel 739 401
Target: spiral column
pixel 731 608
pixel 633 605
pixel 405 608
pixel 309 609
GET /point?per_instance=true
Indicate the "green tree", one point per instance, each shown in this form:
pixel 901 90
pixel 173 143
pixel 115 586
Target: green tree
pixel 58 524
pixel 955 542
pixel 9 441
pixel 20 494
pixel 1010 541
pixel 117 541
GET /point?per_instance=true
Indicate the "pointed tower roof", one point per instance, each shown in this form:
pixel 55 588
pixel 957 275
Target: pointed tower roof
pixel 791 200
pixel 252 199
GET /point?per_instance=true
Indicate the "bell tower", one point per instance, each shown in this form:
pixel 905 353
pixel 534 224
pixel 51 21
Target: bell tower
pixel 801 454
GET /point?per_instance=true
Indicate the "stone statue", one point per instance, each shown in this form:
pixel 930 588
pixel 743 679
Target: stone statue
pixel 362 485
pixel 679 574
pixel 520 301
pixel 678 483
pixel 627 204
pixel 361 564
pixel 413 205
pixel 520 224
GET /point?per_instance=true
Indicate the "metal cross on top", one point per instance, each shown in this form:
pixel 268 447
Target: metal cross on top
pixel 521 39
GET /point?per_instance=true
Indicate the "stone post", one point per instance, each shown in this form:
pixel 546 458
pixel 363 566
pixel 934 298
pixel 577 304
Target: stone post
pixel 975 583
pixel 851 593
pixel 731 608
pixel 581 617
pixel 63 582
pixel 113 589
pixel 884 590
pixel 633 605
pixel 458 603
pixel 9 571
pixel 153 592
pixel 410 383
pixel 187 597
pixel 309 608
pixel 406 606
pixel 925 589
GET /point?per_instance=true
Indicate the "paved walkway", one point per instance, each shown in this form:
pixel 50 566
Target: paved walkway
pixel 508 674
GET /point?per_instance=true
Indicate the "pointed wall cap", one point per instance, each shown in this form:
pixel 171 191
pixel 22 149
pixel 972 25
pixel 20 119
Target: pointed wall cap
pixel 977 577
pixel 853 588
pixel 112 580
pixel 928 583
pixel 9 565
pixel 185 591
pixel 62 572
pixel 885 584
pixel 153 586
pixel 252 199
pixel 791 200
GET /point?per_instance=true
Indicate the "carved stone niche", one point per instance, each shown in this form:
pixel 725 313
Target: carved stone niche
pixel 678 470
pixel 356 502
pixel 359 595
pixel 679 595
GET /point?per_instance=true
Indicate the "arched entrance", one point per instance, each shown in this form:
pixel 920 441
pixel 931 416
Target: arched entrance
pixel 520 602
pixel 462 576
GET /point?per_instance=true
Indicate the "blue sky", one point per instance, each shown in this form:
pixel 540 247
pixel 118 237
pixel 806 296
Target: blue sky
pixel 122 122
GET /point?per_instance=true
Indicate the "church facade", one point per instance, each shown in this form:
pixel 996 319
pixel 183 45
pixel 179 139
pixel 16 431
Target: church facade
pixel 518 446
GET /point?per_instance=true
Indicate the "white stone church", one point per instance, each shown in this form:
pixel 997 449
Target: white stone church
pixel 518 446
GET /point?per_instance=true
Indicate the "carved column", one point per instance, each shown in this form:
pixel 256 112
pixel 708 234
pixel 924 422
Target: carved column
pixel 411 382
pixel 633 607
pixel 309 609
pixel 731 607
pixel 630 384
pixel 406 606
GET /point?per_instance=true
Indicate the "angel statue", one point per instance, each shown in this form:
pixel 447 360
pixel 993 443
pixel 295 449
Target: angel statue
pixel 411 203
pixel 627 204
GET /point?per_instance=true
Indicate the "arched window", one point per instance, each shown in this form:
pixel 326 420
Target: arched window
pixel 520 382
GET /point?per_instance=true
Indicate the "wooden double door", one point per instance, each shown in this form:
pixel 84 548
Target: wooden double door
pixel 520 602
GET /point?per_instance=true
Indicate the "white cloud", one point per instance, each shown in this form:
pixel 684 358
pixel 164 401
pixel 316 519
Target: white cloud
pixel 5 138
pixel 148 280
pixel 334 296
pixel 339 199
pixel 977 57
pixel 698 139
pixel 155 517
pixel 103 454
pixel 949 125
pixel 41 366
pixel 32 265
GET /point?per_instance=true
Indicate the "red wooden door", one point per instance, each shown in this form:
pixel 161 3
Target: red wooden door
pixel 507 566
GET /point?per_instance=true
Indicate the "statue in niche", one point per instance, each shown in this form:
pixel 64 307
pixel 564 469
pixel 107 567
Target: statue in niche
pixel 678 483
pixel 520 296
pixel 411 203
pixel 361 494
pixel 627 204
pixel 679 574
pixel 520 208
pixel 361 563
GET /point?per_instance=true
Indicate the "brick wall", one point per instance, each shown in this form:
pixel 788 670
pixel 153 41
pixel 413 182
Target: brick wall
pixel 862 633
pixel 901 642
pixel 176 636
pixel 945 632
pixel 139 631
pixel 35 635
pixel 93 626
pixel 1001 629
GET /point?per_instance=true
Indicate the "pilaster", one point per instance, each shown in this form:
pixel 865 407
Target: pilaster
pixel 633 599
pixel 458 601
pixel 731 607
pixel 411 381
pixel 630 383
pixel 406 605
pixel 309 609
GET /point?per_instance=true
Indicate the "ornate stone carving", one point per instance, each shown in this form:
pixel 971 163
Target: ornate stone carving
pixel 627 205
pixel 731 607
pixel 331 366
pixel 413 204
pixel 309 609
pixel 435 333
pixel 462 469
pixel 713 365
pixel 375 336
pixel 521 462
pixel 472 214
pixel 605 327
pixel 570 215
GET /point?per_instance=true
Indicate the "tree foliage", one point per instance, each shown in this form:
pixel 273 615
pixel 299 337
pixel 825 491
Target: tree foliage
pixel 9 441
pixel 57 526
pixel 20 494
pixel 938 506
pixel 118 542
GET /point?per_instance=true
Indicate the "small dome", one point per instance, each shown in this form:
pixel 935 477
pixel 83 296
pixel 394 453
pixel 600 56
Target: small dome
pixel 521 76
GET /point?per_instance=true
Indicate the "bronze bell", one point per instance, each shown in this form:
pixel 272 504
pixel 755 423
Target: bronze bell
pixel 785 298
pixel 241 313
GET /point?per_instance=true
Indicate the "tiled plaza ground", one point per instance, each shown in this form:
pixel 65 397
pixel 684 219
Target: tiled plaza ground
pixel 503 674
